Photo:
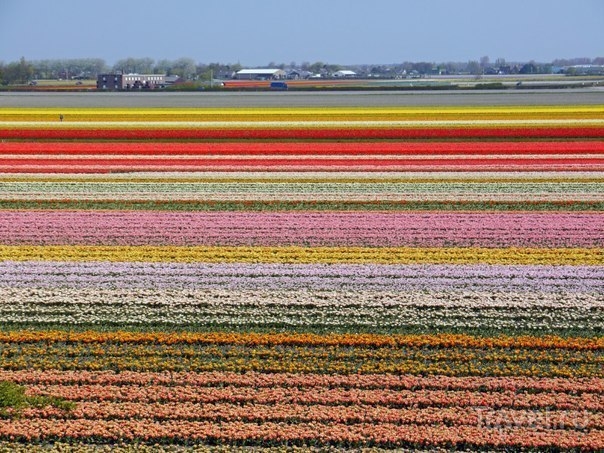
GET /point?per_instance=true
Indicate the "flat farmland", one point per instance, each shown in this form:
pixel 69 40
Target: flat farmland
pixel 317 271
pixel 577 96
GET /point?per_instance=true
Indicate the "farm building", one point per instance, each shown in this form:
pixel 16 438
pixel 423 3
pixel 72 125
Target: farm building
pixel 584 69
pixel 130 81
pixel 345 73
pixel 260 74
pixel 295 74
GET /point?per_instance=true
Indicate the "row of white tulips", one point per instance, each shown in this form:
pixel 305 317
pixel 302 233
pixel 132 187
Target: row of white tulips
pixel 304 308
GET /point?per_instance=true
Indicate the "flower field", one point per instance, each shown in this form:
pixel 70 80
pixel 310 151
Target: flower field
pixel 324 278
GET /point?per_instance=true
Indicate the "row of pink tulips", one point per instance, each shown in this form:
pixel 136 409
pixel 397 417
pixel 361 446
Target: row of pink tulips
pixel 268 433
pixel 349 414
pixel 332 396
pixel 312 229
pixel 288 380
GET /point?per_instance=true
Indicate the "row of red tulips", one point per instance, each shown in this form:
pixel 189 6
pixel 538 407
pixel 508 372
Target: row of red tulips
pixel 192 133
pixel 105 165
pixel 300 148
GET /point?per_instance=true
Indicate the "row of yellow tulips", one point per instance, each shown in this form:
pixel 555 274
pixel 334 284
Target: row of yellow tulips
pixel 304 114
pixel 303 255
pixel 307 339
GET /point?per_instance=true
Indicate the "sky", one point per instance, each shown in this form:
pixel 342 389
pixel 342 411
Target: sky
pixel 255 33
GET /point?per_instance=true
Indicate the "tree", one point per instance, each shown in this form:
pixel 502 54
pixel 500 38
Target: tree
pixel 423 67
pixel 183 67
pixel 331 68
pixel 70 68
pixel 453 67
pixel 216 70
pixel 18 72
pixel 316 67
pixel 598 61
pixel 474 68
pixel 529 68
pixel 134 65
pixel 163 67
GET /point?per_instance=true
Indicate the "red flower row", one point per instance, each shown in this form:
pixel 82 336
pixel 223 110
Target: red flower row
pixel 302 148
pixel 306 133
pixel 106 165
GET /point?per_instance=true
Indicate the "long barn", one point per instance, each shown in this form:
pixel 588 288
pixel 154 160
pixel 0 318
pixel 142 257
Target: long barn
pixel 260 74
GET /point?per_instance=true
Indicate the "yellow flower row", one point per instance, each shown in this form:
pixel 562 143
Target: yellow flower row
pixel 299 117
pixel 308 255
pixel 317 110
pixel 301 359
pixel 302 114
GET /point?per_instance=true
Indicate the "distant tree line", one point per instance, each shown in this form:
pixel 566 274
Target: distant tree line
pixel 23 71
pixel 68 69
pixel 16 72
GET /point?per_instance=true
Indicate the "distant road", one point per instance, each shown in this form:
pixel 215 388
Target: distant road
pixel 307 99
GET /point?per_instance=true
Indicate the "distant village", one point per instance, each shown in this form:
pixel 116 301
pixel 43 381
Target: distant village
pixel 133 81
pixel 146 73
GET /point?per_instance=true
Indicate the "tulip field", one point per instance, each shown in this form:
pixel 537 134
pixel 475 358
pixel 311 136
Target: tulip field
pixel 410 278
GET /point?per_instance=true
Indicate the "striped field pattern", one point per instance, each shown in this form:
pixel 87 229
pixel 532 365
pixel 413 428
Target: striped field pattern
pixel 327 278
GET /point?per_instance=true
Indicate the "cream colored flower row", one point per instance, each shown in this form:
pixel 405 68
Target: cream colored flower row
pixel 463 309
pixel 212 298
pixel 180 196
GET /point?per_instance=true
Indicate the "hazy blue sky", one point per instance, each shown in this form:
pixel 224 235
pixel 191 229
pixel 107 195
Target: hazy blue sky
pixel 255 33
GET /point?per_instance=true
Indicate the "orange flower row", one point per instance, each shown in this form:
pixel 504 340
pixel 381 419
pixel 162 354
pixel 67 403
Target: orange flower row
pixel 308 339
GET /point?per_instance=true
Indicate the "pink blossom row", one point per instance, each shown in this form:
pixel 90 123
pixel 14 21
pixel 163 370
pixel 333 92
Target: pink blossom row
pixel 292 395
pixel 348 414
pixel 307 380
pixel 386 434
pixel 311 229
